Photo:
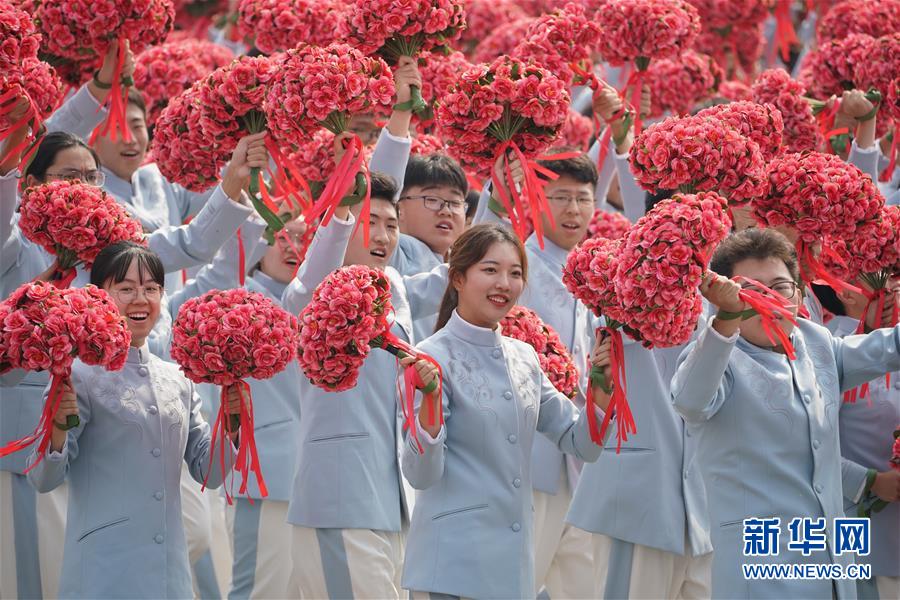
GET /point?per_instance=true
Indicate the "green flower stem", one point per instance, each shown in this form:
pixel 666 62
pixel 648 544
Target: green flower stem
pixel 378 342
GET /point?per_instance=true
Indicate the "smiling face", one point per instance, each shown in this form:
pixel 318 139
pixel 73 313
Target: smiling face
pixel 121 157
pixel 281 260
pixel 572 206
pixel 438 229
pixel 384 232
pixel 491 287
pixel 72 162
pixel 138 298
pixel 771 272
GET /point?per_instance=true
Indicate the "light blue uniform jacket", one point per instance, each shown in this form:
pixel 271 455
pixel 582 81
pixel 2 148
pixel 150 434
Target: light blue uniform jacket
pixel 124 535
pixel 867 428
pixel 472 530
pixel 768 441
pixel 349 439
pixel 22 261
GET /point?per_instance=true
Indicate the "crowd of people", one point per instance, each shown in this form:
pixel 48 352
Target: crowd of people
pixel 498 486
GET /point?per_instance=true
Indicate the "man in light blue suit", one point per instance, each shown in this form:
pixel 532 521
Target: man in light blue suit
pixel 347 505
pixel 867 429
pixel 766 426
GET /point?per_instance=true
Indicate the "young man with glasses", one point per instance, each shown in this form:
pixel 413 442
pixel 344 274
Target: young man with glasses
pixel 432 213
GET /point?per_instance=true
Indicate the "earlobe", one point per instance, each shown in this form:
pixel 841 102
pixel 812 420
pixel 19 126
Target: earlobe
pixel 457 281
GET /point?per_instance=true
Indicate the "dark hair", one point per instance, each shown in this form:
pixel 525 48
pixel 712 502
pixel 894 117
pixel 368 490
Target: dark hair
pixel 472 197
pixel 754 243
pixel 435 170
pixel 114 261
pixel 383 187
pixel 581 168
pixel 50 147
pixel 137 99
pixel 829 299
pixel 651 200
pixel 468 250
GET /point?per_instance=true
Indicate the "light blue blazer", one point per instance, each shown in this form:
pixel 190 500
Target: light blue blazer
pixel 613 497
pixel 472 529
pixel 78 115
pixel 350 438
pixel 867 429
pixel 124 535
pixel 412 257
pixel 768 444
pixel 22 261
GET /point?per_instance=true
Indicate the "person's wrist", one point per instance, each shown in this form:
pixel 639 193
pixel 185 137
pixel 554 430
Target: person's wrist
pixel 98 81
pixel 871 478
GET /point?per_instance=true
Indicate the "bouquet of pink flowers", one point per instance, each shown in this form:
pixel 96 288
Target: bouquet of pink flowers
pixel 20 38
pixel 279 25
pixel 589 274
pixel 662 262
pixel 736 91
pixel 723 14
pixel 639 31
pixel 525 325
pixel 166 71
pixel 75 222
pixel 78 29
pixel 577 131
pixel 698 154
pixel 501 41
pixel 831 68
pixel 561 42
pixel 439 74
pixel 322 87
pixel 349 315
pixel 224 337
pixel 42 87
pixel 736 49
pixel 761 123
pixel 46 329
pixel 484 17
pixel 677 85
pixel 607 225
pixel 870 255
pixel 818 196
pixel 392 29
pixel 179 148
pixel 895 451
pixel 871 17
pixel 314 161
pixel 506 108
pixel 776 87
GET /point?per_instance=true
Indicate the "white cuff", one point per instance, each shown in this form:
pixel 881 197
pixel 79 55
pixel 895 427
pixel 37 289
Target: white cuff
pixel 55 456
pixel 858 496
pixel 14 174
pixel 712 331
pixel 426 438
pixel 392 137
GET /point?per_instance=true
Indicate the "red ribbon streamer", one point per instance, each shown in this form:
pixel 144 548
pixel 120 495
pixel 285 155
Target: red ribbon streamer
pixel 247 461
pixel 62 278
pixel 879 297
pixel 117 101
pixel 411 381
pixel 31 120
pixel 618 402
pixel 822 274
pixel 340 182
pixel 770 305
pixel 44 430
pixel 785 34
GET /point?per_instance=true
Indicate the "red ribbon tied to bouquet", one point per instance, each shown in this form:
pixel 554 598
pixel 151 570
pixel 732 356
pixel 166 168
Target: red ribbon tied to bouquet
pixel 770 306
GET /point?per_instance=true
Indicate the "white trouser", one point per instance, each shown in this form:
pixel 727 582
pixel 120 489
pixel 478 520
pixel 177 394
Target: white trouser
pixel 626 570
pixel 206 533
pixel 346 563
pixel 563 563
pixel 32 536
pixel 261 542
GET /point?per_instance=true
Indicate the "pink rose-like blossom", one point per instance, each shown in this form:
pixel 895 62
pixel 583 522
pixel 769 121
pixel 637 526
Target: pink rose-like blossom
pixel 525 325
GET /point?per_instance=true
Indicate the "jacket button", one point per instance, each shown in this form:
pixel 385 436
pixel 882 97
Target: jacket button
pixel 517 482
pixel 158 539
pixel 158 495
pixel 806 398
pixel 156 452
pixel 816 444
pixel 685 474
pixel 897 385
pixel 819 488
pixel 512 439
pixel 143 371
pixel 496 354
pixel 152 410
pixel 507 394
pixel 516 527
pixel 687 432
